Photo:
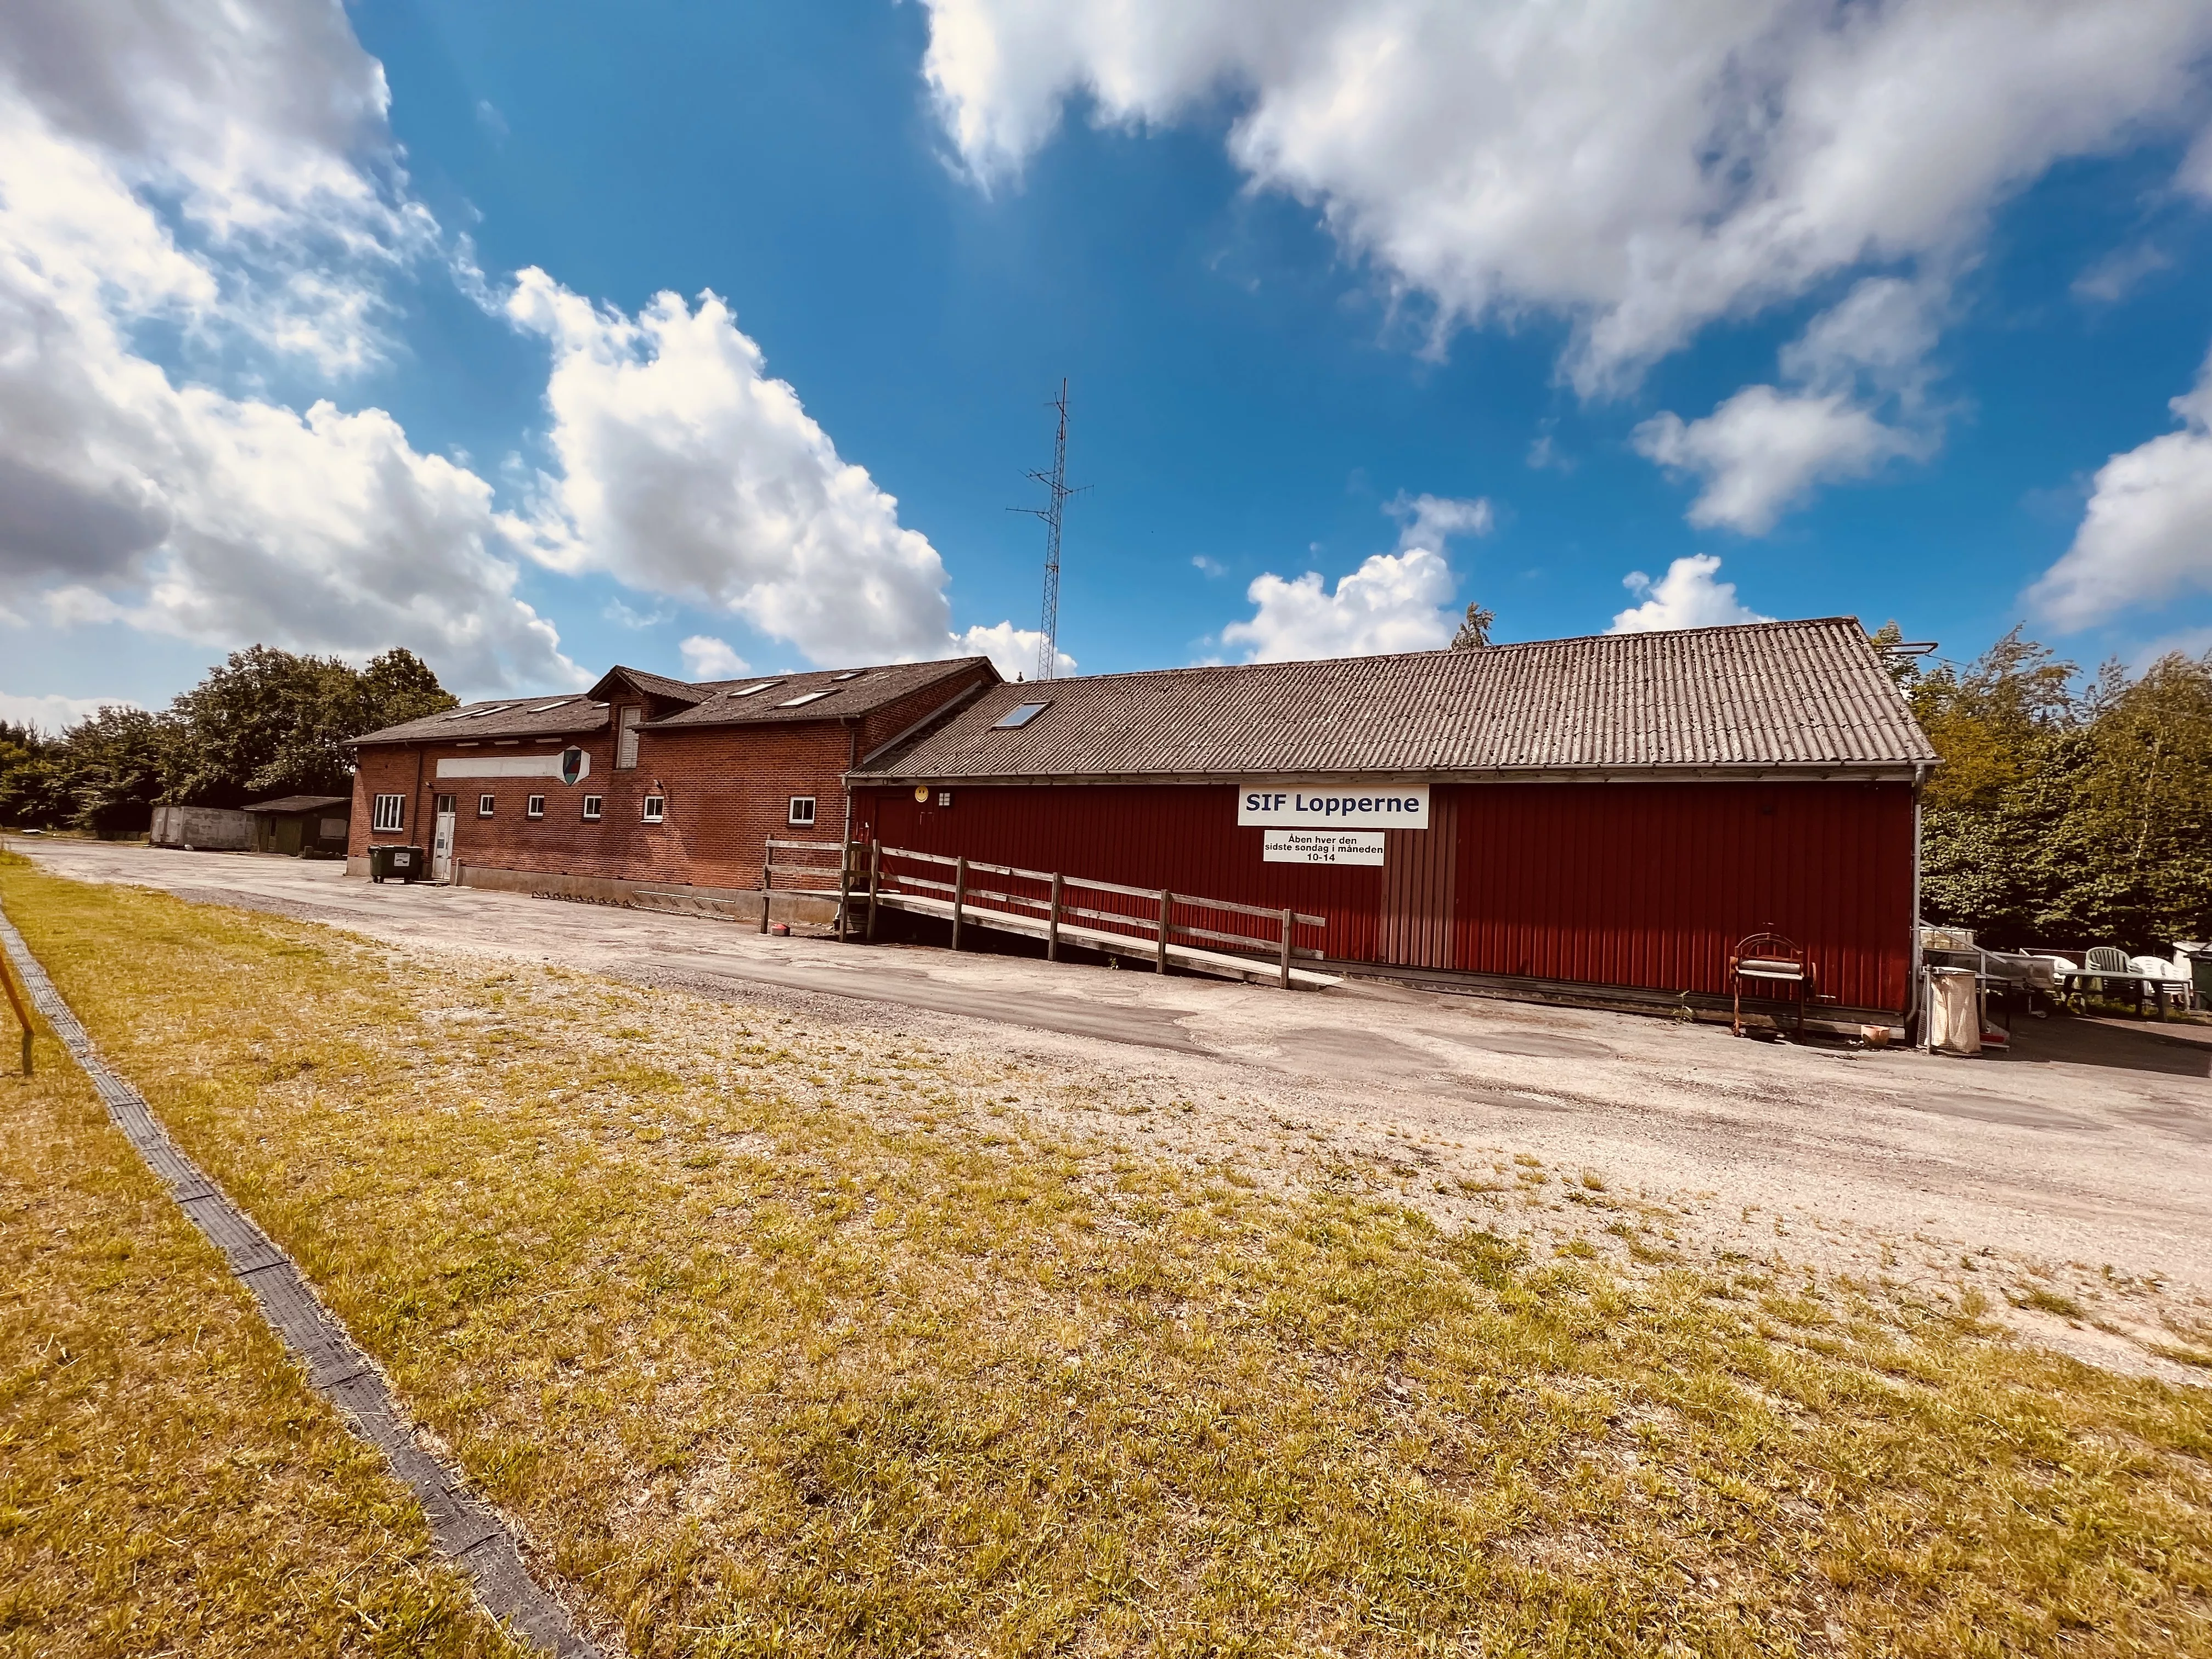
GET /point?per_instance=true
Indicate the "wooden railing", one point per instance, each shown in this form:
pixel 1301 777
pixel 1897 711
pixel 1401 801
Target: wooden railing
pixel 840 872
pixel 1160 927
pixel 23 1013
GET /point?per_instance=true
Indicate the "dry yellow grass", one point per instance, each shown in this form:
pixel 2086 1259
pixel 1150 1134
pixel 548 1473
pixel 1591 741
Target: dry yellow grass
pixel 781 1339
pixel 167 1482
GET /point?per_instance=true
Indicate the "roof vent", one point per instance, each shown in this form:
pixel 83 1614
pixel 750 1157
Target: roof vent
pixel 1019 715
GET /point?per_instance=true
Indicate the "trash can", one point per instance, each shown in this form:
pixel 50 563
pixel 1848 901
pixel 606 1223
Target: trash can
pixel 398 863
pixel 1954 1011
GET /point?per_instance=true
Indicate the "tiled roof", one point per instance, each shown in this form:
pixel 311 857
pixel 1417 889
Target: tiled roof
pixel 850 691
pixel 828 694
pixel 500 717
pixel 1794 694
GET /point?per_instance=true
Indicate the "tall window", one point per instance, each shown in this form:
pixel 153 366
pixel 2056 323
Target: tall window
pixel 484 804
pixel 391 813
pixel 626 738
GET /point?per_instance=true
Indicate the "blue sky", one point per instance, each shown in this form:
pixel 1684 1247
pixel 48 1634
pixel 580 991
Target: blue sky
pixel 1317 316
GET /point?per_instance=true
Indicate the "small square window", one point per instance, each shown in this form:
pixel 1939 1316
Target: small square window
pixel 591 806
pixel 484 803
pixel 1019 715
pixel 536 808
pixel 656 808
pixel 802 811
pixel 945 798
pixel 390 814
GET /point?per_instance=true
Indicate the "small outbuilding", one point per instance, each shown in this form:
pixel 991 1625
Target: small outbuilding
pixel 1597 819
pixel 298 825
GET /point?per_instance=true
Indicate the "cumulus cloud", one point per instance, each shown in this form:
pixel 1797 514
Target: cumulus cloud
pixel 1685 597
pixel 54 714
pixel 2146 531
pixel 213 172
pixel 684 469
pixel 1392 602
pixel 1763 451
pixel 1641 170
pixel 1432 520
pixel 1013 651
pixel 706 657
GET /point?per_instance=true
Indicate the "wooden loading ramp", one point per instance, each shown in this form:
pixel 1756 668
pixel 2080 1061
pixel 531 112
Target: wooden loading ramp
pixel 869 878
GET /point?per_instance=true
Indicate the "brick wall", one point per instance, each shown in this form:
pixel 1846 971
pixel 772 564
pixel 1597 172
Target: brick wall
pixel 728 791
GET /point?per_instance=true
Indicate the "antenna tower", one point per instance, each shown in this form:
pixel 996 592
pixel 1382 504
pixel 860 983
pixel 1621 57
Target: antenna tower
pixel 1055 483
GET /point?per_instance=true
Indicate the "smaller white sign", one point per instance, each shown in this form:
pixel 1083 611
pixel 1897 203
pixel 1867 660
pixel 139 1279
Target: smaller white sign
pixel 1323 847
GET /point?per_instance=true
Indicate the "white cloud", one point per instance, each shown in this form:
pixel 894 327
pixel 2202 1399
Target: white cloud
pixel 685 469
pixel 706 657
pixel 215 172
pixel 1394 602
pixel 1012 651
pixel 2110 279
pixel 1763 451
pixel 2147 532
pixel 54 715
pixel 1640 169
pixel 1685 597
pixel 1206 566
pixel 1432 520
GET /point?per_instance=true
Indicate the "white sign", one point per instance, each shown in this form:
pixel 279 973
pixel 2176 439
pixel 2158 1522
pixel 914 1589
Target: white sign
pixel 1331 806
pixel 567 764
pixel 1323 847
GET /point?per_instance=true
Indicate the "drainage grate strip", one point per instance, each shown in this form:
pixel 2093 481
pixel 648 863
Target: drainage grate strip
pixel 465 1530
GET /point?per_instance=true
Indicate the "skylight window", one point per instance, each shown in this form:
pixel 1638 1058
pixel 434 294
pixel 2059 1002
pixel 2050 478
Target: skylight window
pixel 478 714
pixel 557 702
pixel 1019 715
pixel 849 674
pixel 802 698
pixel 749 689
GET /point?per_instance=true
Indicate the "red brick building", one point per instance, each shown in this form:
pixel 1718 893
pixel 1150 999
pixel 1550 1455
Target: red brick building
pixel 642 779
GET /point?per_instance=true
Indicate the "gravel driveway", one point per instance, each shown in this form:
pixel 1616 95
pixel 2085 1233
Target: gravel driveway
pixel 2080 1166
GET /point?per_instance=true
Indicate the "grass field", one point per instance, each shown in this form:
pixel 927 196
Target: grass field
pixel 776 1337
pixel 167 1482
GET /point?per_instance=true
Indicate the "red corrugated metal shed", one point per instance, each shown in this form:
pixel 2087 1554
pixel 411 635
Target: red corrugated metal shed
pixel 1613 811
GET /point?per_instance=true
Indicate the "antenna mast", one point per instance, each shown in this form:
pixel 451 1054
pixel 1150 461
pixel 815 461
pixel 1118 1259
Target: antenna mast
pixel 1055 483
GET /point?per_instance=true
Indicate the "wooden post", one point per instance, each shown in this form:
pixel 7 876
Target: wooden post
pixel 844 892
pixel 22 1014
pixel 1288 918
pixel 1167 904
pixel 1052 927
pixel 768 880
pixel 959 895
pixel 875 882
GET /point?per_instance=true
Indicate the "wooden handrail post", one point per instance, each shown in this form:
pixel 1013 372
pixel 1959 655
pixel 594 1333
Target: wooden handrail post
pixel 844 893
pixel 959 895
pixel 768 880
pixel 1288 918
pixel 22 1014
pixel 1052 927
pixel 1167 904
pixel 875 881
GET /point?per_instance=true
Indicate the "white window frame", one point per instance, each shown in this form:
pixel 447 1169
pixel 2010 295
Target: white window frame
pixel 390 816
pixel 534 807
pixel 626 720
pixel 486 806
pixel 595 808
pixel 656 809
pixel 791 817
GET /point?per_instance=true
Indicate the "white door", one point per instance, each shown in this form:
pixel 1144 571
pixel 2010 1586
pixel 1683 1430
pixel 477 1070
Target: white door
pixel 441 849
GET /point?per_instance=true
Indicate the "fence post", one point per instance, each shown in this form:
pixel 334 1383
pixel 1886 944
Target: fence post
pixel 768 879
pixel 1288 918
pixel 1167 904
pixel 959 895
pixel 22 1014
pixel 875 881
pixel 1052 927
pixel 844 893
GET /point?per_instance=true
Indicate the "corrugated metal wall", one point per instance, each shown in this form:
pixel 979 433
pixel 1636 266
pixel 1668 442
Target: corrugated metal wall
pixel 1632 885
